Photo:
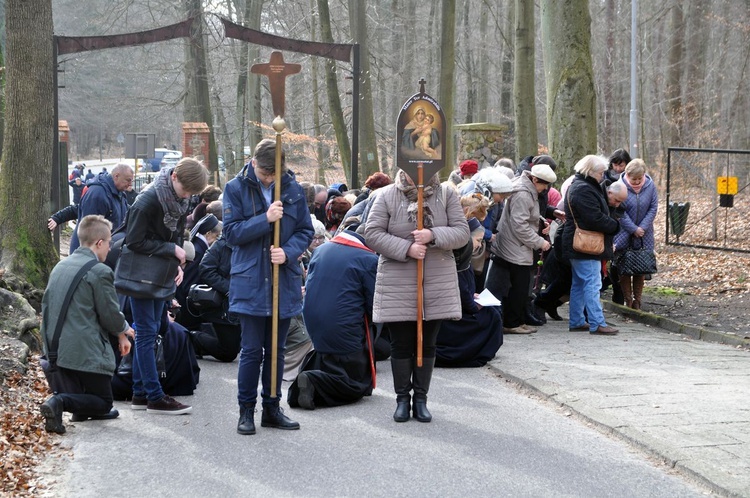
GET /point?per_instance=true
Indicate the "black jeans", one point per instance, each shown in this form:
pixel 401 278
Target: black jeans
pixel 404 339
pixel 92 393
pixel 514 291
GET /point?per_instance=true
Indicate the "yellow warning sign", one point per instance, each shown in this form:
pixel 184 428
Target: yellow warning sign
pixel 726 185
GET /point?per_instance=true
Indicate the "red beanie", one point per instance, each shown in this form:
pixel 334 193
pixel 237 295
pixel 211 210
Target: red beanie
pixel 468 167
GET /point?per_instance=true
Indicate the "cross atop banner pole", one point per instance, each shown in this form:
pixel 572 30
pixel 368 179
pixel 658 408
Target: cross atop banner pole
pixel 276 70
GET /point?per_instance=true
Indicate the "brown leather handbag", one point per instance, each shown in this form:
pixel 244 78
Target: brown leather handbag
pixel 586 241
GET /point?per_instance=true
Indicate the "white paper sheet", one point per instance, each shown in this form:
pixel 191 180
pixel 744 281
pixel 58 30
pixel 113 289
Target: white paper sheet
pixel 486 298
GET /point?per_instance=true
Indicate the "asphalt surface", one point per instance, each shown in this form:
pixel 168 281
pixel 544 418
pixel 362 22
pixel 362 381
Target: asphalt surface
pixel 486 439
pixel 682 400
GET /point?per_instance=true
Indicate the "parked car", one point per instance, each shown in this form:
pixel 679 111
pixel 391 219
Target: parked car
pixel 154 163
pixel 170 159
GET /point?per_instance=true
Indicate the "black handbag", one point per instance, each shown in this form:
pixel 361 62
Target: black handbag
pixel 636 260
pixel 145 276
pixel 125 368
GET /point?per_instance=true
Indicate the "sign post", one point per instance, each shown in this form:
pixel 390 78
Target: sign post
pixel 419 153
pixel 276 70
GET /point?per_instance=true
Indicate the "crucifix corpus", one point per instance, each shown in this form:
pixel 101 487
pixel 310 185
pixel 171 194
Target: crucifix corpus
pixel 276 70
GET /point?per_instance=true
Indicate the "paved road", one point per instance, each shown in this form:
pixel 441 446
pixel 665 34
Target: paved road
pixel 683 400
pixel 486 439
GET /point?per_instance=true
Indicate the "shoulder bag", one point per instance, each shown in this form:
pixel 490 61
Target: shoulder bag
pixel 145 276
pixel 636 260
pixel 586 241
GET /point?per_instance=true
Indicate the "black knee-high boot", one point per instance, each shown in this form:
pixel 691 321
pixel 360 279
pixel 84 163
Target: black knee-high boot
pixel 402 369
pixel 421 379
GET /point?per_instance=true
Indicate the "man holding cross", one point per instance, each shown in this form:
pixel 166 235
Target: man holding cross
pixel 250 212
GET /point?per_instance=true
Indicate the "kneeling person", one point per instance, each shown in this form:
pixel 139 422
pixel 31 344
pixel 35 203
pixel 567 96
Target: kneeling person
pixel 338 306
pixel 85 358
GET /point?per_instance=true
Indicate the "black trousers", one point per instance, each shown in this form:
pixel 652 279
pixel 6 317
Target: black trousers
pixel 514 290
pixel 91 394
pixel 404 338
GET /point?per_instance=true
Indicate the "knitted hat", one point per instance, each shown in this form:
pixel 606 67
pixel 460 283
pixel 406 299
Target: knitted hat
pixel 545 159
pixel 468 167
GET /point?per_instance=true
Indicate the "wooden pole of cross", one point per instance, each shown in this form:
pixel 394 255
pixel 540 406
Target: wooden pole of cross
pixel 276 70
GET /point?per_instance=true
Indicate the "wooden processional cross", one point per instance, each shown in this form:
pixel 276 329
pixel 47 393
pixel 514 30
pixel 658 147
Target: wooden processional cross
pixel 276 70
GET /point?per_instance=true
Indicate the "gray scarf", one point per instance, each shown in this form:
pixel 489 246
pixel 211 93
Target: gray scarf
pixel 174 207
pixel 410 191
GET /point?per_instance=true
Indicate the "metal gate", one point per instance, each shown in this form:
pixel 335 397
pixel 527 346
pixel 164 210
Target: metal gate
pixel 708 198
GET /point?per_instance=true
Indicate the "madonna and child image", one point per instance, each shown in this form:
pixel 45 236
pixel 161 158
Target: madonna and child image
pixel 420 127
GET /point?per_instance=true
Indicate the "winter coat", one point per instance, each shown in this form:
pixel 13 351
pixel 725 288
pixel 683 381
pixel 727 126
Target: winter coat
pixel 339 292
pixel 146 232
pixel 519 224
pixel 388 232
pixel 248 231
pixel 101 197
pixel 215 271
pixel 92 316
pixel 588 203
pixel 640 211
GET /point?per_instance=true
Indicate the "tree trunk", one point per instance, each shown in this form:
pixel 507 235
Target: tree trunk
pixel 608 78
pixel 334 101
pixel 198 98
pixel 254 111
pixel 25 175
pixel 506 93
pixel 484 81
pixel 447 79
pixel 674 74
pixel 571 100
pixel 316 100
pixel 368 149
pixel 524 97
pixel 469 70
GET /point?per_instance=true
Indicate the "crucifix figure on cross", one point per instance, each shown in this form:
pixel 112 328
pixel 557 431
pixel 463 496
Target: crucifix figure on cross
pixel 276 70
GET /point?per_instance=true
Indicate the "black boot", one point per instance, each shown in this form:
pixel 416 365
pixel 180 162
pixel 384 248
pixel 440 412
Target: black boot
pixel 80 417
pixel 52 410
pixel 402 369
pixel 246 424
pixel 530 317
pixel 421 379
pixel 273 416
pixel 550 309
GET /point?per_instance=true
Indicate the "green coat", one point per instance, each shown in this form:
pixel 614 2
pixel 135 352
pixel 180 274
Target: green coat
pixel 93 314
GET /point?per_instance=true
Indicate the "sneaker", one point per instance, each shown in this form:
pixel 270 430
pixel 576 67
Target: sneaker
pixel 139 403
pixel 168 406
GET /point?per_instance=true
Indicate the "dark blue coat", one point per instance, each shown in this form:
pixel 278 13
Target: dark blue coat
pixel 102 198
pixel 339 291
pixel 248 231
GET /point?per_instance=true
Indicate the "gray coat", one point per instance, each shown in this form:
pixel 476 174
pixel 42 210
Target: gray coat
pixel 518 230
pixel 388 233
pixel 93 315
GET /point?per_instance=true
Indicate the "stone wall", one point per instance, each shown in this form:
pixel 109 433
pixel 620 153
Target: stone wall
pixel 484 142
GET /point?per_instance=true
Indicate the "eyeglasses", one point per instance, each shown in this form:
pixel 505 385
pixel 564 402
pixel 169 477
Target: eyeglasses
pixel 319 238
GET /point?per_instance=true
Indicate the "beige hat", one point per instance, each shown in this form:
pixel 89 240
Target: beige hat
pixel 189 251
pixel 543 172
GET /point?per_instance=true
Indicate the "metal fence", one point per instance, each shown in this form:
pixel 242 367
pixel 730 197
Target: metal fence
pixel 708 198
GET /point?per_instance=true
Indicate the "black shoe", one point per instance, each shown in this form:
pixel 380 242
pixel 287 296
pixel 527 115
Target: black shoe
pixel 246 424
pixel 551 310
pixel 402 408
pixel 306 397
pixel 273 416
pixel 420 411
pixel 531 319
pixel 52 411
pixel 79 417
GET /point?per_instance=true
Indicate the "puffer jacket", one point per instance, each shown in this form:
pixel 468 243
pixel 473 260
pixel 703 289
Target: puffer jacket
pixel 518 230
pixel 101 197
pixel 640 211
pixel 248 231
pixel 589 205
pixel 388 232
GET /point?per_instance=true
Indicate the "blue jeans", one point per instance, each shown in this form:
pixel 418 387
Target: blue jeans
pixel 256 350
pixel 584 293
pixel 147 315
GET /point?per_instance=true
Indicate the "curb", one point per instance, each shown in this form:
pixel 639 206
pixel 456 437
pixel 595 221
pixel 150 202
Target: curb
pixel 670 325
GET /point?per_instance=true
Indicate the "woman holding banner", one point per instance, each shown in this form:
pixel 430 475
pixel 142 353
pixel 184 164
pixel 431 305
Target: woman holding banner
pixel 392 232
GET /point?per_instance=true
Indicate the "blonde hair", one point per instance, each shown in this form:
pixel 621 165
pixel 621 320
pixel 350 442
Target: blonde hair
pixel 635 168
pixel 475 206
pixel 192 174
pixel 591 164
pixel 94 228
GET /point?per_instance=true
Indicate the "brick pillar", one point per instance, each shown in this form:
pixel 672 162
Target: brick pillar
pixel 195 141
pixel 63 131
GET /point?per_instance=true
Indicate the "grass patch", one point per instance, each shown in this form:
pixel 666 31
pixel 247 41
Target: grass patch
pixel 663 291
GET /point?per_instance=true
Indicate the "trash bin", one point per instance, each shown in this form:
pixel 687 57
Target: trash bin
pixel 678 214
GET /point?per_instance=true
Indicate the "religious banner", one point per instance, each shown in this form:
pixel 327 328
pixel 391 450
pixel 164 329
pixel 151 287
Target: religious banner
pixel 420 135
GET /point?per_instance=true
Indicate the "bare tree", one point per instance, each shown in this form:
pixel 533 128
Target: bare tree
pixel 524 96
pixel 447 75
pixel 25 187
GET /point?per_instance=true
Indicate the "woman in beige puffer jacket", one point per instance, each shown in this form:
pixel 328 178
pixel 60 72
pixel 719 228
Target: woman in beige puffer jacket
pixel 392 232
